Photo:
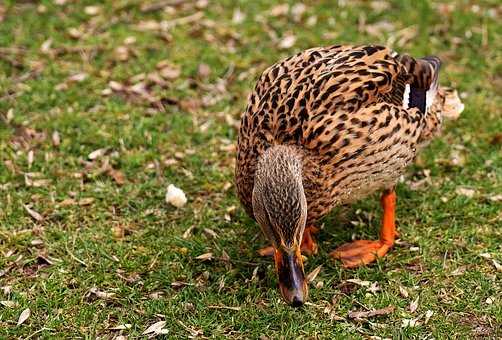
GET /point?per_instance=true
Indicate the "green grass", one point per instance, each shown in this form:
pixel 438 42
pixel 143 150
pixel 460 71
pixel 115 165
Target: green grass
pixel 443 233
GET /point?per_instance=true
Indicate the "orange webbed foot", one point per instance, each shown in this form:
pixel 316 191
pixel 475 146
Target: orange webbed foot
pixel 362 252
pixel 359 253
pixel 309 245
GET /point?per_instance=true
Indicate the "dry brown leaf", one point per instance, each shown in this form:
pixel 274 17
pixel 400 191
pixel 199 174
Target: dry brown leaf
pixel 359 282
pixel 495 198
pixel 116 86
pixel 205 257
pixel 77 78
pixel 287 41
pixel 121 53
pixel 465 192
pixel 67 202
pixel 313 274
pixel 86 201
pixel 121 327
pixel 117 175
pixel 239 16
pixel 97 154
pixel 371 313
pixel 279 10
pixel 188 232
pixel 497 266
pixel 100 294
pixel 373 288
pixel 414 305
pixel 56 139
pixel 428 315
pixel 92 10
pixel 210 232
pixel 25 314
pixel 36 216
pixel 156 328
pixel 170 72
pixel 459 271
pixel 118 231
pixel 9 304
pixel 403 292
pixel 75 33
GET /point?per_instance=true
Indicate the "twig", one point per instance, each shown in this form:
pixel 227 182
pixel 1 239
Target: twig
pixel 160 5
pixel 224 307
pixel 40 330
pixel 154 260
pixel 74 257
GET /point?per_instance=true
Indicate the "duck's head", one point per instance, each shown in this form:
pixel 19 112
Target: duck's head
pixel 280 207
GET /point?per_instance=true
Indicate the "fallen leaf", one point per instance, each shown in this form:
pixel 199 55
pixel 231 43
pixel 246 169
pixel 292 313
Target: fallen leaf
pixel 97 154
pixel 170 72
pixel 497 266
pixel 121 53
pixel 459 271
pixel 409 323
pixel 77 78
pixel 121 327
pixel 86 201
pixel 9 304
pixel 279 10
pixel 100 294
pixel 428 315
pixel 210 232
pixel 465 192
pixel 403 292
pixel 359 282
pixel 188 232
pixel 313 274
pixel 36 216
pixel 371 313
pixel 156 328
pixel 373 288
pixel 25 314
pixel 56 139
pixel 92 10
pixel 287 41
pixel 414 305
pixel 495 198
pixel 238 16
pixel 117 175
pixel 205 257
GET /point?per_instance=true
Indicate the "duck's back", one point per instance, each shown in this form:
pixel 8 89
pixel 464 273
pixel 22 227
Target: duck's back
pixel 356 113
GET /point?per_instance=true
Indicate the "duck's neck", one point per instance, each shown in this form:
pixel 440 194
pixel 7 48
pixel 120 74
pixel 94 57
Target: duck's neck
pixel 278 193
pixel 280 163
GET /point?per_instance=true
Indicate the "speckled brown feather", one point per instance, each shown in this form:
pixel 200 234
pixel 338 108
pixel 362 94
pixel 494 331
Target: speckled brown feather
pixel 342 109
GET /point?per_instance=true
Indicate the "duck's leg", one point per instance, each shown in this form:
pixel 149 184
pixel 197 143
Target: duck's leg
pixel 308 247
pixel 362 252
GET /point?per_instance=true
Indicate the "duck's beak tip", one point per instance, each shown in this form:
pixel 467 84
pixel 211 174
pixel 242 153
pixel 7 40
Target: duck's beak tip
pixel 292 282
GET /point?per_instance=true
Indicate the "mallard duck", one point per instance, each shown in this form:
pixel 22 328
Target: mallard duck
pixel 326 127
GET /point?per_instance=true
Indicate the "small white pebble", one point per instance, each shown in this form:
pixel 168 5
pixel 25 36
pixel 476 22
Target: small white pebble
pixel 175 196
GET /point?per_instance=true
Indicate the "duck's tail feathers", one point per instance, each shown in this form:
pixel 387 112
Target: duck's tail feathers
pixel 423 81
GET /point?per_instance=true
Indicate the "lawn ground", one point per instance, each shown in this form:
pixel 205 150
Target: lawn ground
pixel 104 104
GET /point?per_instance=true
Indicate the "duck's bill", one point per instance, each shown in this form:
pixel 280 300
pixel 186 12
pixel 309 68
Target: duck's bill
pixel 289 265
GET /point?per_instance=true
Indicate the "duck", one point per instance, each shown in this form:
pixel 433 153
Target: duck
pixel 327 127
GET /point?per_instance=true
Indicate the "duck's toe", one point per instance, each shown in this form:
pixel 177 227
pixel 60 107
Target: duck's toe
pixel 359 253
